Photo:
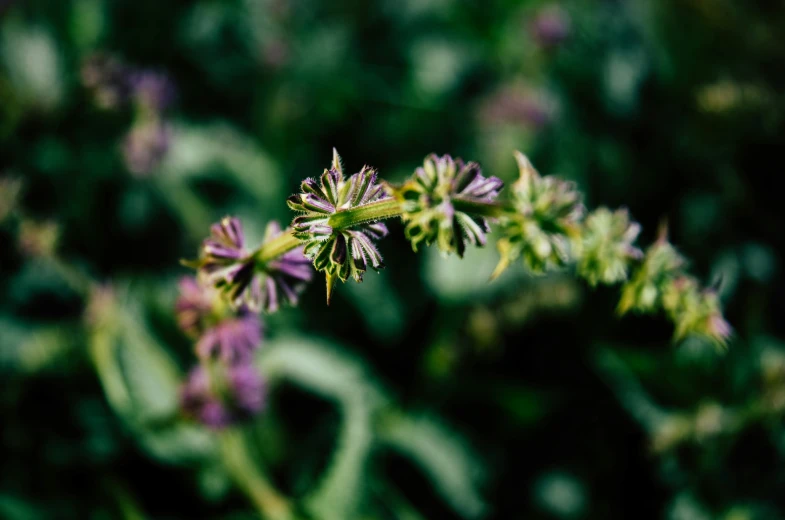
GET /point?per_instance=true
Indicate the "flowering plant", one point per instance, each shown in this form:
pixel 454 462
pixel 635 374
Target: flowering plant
pixel 446 202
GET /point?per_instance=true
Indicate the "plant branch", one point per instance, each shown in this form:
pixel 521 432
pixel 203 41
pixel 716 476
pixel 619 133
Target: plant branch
pixel 379 210
pixel 276 247
pixel 248 477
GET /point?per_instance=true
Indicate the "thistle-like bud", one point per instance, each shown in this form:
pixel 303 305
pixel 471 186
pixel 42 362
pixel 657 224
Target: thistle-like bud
pixel 338 251
pixel 223 395
pixel 225 264
pixel 547 218
pixel 644 291
pixel 430 198
pixel 606 248
pixel 694 310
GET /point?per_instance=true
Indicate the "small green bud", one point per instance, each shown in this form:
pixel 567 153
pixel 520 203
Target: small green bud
pixel 547 218
pixel 606 249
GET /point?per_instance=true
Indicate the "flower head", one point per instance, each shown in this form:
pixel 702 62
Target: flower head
pixel 661 265
pixel 244 280
pixel 231 335
pixel 146 145
pixel 338 251
pixel 223 395
pixel 226 265
pixel 695 310
pixel 606 251
pixel 152 91
pixel 550 26
pixel 194 305
pixel 547 218
pixel 432 203
pixel 233 339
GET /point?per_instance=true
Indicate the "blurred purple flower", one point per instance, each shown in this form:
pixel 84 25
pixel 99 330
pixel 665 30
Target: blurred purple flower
pixel 232 339
pixel 286 276
pixel 193 305
pixel 146 145
pixel 550 26
pixel 223 397
pixel 520 105
pixel 153 91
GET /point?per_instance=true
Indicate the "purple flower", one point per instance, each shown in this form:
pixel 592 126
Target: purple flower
pixel 519 104
pixel 550 26
pixel 223 395
pixel 286 276
pixel 232 339
pixel 343 252
pixel 146 145
pixel 153 91
pixel 246 282
pixel 429 202
pixel 225 264
pixel 193 305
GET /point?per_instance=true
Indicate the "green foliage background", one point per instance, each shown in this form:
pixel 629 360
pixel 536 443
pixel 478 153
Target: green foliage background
pixel 425 392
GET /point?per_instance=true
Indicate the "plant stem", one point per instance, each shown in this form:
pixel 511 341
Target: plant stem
pixel 238 460
pixel 379 210
pixel 482 209
pixel 276 247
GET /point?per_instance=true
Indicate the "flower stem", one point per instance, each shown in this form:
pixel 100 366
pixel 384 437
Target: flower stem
pixel 482 209
pixel 238 460
pixel 276 247
pixel 379 210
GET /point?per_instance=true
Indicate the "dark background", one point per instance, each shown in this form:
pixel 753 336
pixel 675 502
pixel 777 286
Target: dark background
pixel 672 108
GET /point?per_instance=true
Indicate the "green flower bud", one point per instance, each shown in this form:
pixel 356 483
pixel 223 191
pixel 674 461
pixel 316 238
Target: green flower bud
pixel 605 251
pixel 547 218
pixel 431 203
pixel 644 291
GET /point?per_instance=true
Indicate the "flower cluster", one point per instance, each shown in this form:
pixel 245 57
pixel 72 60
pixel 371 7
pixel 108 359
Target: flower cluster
pixel 449 203
pixel 606 248
pixel 694 310
pixel 546 219
pixel 550 26
pixel 225 264
pixel 435 200
pixel 115 84
pixel 661 265
pixel 224 395
pixel 340 251
pixel 225 388
pixel 660 283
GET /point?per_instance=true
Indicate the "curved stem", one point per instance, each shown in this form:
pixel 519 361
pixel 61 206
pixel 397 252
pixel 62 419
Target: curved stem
pixel 379 210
